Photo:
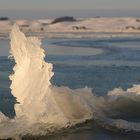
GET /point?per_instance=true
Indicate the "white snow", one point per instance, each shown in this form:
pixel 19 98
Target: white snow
pixel 92 25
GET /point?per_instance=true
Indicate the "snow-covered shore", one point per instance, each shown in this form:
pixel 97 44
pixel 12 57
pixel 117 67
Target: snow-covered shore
pixel 88 25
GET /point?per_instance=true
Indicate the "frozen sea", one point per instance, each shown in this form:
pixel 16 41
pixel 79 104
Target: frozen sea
pixel 99 63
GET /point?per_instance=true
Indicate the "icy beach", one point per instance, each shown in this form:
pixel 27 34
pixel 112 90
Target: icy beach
pixel 43 108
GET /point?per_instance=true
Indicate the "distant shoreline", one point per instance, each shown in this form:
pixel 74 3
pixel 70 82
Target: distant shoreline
pixel 79 27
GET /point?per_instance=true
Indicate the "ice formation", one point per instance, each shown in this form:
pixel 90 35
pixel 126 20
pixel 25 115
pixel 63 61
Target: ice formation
pixel 39 101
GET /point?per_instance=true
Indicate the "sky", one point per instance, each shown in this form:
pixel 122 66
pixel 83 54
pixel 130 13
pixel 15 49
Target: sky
pixel 71 6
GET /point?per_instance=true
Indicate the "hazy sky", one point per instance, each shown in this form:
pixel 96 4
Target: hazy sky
pixel 55 8
pixel 69 4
